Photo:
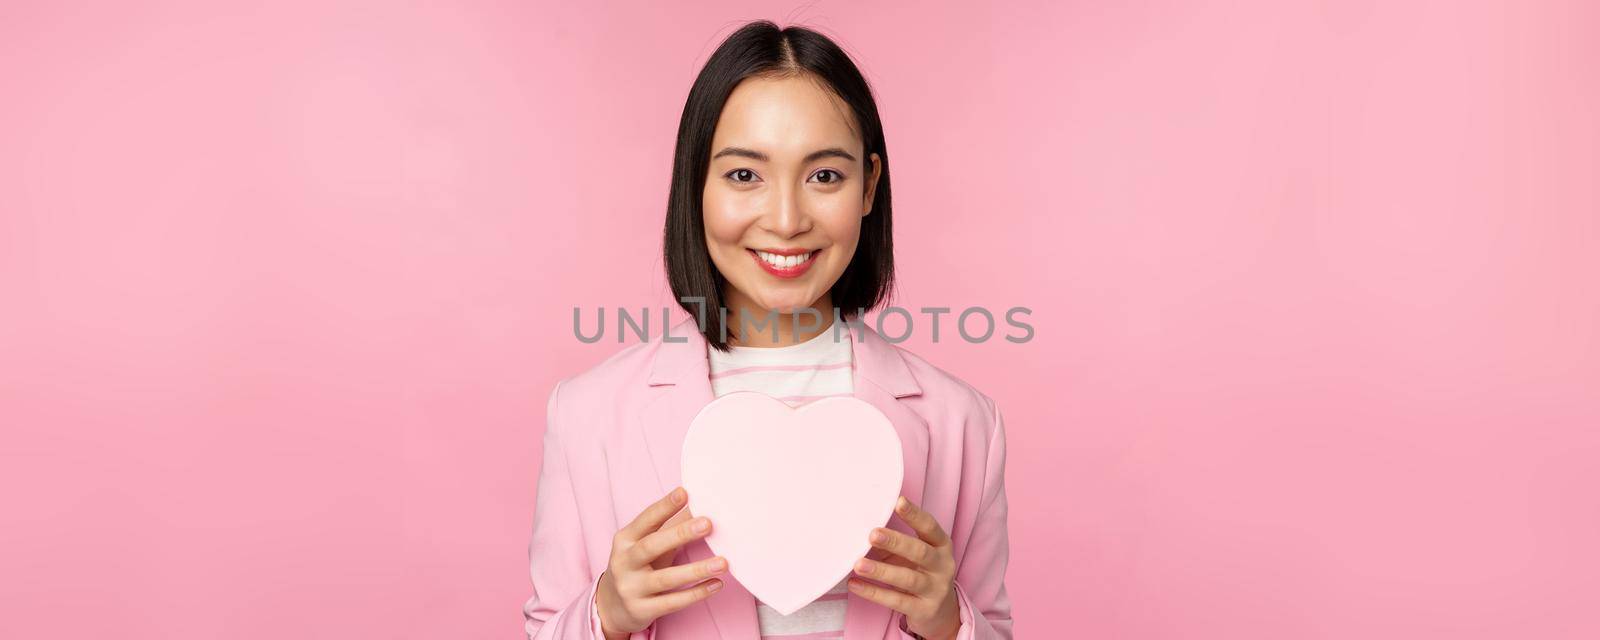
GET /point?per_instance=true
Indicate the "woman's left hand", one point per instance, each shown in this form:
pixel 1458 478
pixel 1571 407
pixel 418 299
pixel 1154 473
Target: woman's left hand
pixel 922 571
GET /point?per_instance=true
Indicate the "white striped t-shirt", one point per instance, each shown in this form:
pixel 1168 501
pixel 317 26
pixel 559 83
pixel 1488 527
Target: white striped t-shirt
pixel 796 374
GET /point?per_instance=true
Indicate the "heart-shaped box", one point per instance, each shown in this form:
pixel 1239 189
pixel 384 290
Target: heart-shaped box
pixel 791 492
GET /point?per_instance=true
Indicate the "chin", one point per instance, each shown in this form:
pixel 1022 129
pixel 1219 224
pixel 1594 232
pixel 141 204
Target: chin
pixel 787 307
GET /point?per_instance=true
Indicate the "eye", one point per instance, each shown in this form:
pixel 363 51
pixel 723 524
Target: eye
pixel 837 177
pixel 741 172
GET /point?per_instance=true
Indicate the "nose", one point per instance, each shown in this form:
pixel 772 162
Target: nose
pixel 787 217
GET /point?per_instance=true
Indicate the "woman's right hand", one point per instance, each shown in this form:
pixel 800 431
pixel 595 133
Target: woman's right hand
pixel 639 582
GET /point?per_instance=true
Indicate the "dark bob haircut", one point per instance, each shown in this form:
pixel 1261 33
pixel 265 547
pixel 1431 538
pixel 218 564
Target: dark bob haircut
pixel 761 49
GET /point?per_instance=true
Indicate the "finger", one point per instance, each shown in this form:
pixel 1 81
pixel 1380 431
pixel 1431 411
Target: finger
pixel 885 596
pixel 658 512
pixel 666 559
pixel 677 576
pixel 656 544
pixel 915 551
pixel 875 553
pixel 905 579
pixel 676 519
pixel 674 600
pixel 922 522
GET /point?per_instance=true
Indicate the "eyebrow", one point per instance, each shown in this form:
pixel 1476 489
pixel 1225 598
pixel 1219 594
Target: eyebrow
pixel 819 154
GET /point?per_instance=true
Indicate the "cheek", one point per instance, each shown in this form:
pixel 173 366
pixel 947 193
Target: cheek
pixel 841 221
pixel 723 221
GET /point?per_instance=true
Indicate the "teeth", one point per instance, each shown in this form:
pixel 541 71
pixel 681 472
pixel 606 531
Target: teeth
pixel 784 262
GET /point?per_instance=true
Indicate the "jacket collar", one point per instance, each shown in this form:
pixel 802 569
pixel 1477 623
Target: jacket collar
pixel 881 378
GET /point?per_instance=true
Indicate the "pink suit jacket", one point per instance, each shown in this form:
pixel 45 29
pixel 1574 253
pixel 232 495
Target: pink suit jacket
pixel 612 442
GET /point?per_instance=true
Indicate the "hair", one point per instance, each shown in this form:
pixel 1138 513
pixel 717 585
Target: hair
pixel 761 49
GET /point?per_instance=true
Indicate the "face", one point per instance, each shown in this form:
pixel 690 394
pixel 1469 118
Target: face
pixel 785 194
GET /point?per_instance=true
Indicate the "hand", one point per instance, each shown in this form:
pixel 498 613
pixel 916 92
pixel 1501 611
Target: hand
pixel 639 581
pixel 921 571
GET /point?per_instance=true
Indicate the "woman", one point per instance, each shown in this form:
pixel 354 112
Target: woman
pixel 780 203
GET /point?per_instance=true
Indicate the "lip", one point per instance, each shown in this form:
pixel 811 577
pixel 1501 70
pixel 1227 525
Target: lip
pixel 791 272
pixel 784 252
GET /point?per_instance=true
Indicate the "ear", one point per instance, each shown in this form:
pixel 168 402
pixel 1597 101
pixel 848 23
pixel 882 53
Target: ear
pixel 872 184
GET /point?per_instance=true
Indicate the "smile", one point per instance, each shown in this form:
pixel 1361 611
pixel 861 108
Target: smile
pixel 784 266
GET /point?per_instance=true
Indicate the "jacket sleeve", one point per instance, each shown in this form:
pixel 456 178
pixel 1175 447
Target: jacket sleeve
pixel 980 586
pixel 562 606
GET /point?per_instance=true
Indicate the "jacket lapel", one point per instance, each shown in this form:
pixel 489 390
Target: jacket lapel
pixel 880 378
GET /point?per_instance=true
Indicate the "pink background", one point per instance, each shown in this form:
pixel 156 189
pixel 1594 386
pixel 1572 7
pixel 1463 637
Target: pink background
pixel 285 287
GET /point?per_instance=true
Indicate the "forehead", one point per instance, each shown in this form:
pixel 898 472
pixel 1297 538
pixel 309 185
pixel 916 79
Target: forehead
pixel 789 116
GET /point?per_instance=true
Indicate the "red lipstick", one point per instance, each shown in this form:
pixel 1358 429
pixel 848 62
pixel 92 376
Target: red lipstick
pixel 785 272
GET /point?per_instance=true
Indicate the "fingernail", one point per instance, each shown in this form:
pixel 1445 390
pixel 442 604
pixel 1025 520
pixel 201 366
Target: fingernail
pixel 903 505
pixel 701 524
pixel 864 566
pixel 714 586
pixel 677 495
pixel 719 564
pixel 876 536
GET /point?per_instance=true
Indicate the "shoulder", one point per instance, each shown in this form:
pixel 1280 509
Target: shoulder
pixel 950 396
pixel 627 366
pixel 601 385
pixel 963 423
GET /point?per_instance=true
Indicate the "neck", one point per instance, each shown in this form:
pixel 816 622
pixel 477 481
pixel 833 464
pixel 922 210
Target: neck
pixel 790 328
